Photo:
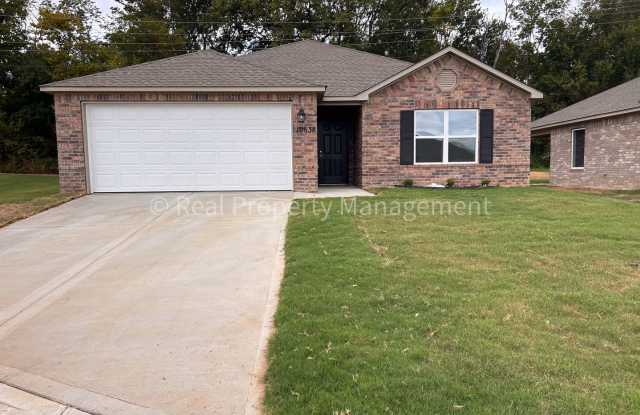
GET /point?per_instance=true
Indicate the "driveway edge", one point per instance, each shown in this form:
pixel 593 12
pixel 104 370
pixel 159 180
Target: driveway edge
pixel 66 395
pixel 255 396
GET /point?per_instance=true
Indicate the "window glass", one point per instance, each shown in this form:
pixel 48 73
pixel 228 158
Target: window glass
pixel 462 123
pixel 430 123
pixel 446 136
pixel 429 150
pixel 462 149
pixel 578 148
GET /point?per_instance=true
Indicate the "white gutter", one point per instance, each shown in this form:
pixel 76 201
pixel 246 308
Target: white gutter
pixel 53 88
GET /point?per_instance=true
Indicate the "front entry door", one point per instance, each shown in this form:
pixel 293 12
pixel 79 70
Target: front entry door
pixel 333 138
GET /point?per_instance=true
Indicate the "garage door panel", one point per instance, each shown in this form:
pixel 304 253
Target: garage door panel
pixel 206 157
pixel 280 179
pixel 106 180
pixel 126 136
pixel 130 158
pixel 155 180
pixel 174 147
pixel 256 157
pixel 153 136
pixel 230 180
pixel 207 179
pixel 278 158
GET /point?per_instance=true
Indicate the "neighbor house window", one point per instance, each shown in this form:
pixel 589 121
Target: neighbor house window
pixel 577 149
pixel 446 136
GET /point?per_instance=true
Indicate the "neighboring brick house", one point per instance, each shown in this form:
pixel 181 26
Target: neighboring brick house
pixel 595 143
pixel 291 118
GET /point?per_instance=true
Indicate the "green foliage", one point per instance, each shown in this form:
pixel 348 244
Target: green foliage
pixel 64 36
pixel 407 182
pixel 540 153
pixel 485 182
pixel 143 31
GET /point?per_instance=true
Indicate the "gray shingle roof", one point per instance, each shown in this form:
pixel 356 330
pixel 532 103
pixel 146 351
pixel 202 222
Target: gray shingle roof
pixel 624 97
pixel 344 71
pixel 309 65
pixel 199 69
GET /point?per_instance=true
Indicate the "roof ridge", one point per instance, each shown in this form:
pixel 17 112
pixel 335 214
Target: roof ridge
pixel 255 65
pixel 271 48
pixel 266 69
pixel 364 52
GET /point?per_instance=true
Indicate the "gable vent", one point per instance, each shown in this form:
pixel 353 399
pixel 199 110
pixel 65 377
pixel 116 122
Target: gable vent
pixel 447 79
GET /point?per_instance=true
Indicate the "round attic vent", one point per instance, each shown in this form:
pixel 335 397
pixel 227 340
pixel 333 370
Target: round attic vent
pixel 447 79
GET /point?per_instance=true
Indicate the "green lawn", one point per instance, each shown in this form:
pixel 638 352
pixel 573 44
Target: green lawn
pixel 539 181
pixel 629 195
pixel 531 308
pixel 25 195
pixel 15 188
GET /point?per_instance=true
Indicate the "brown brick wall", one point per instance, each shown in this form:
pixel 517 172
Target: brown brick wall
pixel 380 165
pixel 69 129
pixel 611 154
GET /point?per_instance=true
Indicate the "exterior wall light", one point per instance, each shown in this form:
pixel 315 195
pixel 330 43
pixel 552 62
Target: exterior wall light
pixel 301 115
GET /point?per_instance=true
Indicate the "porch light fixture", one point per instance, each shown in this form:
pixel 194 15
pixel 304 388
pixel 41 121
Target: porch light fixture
pixel 301 115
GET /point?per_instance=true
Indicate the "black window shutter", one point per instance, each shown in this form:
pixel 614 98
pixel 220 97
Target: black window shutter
pixel 406 137
pixel 486 136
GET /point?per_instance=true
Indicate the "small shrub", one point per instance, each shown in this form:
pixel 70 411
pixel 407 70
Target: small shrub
pixel 407 182
pixel 450 183
pixel 485 182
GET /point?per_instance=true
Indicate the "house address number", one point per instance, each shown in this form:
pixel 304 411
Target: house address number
pixel 304 130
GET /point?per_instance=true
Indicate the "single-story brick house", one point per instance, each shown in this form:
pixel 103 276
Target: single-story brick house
pixel 291 118
pixel 595 143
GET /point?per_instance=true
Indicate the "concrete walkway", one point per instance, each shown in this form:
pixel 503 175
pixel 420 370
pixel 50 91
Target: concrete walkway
pixel 141 303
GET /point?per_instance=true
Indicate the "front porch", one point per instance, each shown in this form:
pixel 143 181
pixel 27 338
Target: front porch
pixel 333 191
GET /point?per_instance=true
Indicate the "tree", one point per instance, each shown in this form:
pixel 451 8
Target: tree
pixel 143 31
pixel 27 140
pixel 64 35
pixel 13 32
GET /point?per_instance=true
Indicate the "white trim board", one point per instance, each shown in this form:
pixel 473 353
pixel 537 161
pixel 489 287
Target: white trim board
pixel 584 148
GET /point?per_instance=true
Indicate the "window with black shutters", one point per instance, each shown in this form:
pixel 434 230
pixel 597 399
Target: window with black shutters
pixel 446 136
pixel 577 149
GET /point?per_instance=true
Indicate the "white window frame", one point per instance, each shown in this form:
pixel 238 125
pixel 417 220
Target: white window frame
pixel 445 138
pixel 573 139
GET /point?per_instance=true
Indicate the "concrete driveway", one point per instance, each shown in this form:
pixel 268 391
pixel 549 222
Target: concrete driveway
pixel 141 303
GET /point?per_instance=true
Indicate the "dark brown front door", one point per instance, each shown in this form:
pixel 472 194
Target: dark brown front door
pixel 333 138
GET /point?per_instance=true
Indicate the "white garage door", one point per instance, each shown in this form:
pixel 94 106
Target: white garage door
pixel 189 147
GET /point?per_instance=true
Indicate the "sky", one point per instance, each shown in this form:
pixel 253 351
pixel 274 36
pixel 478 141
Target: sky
pixel 496 7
